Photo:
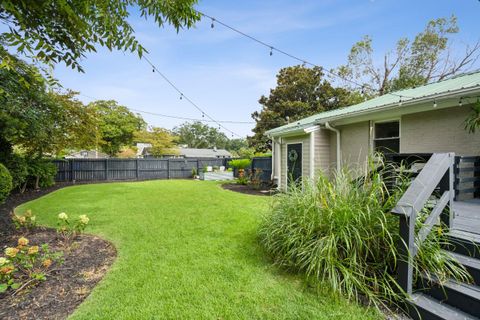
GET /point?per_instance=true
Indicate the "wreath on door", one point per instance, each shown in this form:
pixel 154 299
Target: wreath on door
pixel 292 155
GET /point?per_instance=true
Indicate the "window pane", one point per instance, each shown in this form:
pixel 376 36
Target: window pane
pixel 388 145
pixel 387 130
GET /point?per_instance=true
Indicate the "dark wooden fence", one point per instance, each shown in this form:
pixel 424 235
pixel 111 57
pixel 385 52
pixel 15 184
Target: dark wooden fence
pixel 144 169
pixel 467 177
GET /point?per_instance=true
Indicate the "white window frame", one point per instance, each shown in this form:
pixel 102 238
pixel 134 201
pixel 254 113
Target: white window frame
pixel 374 134
pixel 286 160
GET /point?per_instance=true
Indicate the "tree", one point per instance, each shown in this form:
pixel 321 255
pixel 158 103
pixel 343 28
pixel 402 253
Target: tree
pixel 300 92
pixel 116 125
pixel 199 135
pixel 234 145
pixel 53 31
pixel 162 141
pixel 428 57
pixel 36 120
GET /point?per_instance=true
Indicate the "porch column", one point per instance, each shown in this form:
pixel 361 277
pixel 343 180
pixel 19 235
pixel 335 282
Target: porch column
pixel 312 155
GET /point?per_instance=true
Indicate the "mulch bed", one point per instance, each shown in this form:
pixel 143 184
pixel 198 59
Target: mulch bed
pixel 67 285
pixel 247 189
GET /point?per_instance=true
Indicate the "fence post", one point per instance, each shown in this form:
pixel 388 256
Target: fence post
pixel 106 168
pixel 168 168
pixel 71 170
pixel 137 168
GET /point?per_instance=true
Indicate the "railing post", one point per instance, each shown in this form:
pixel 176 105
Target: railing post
pixel 447 185
pixel 406 248
pixel 168 168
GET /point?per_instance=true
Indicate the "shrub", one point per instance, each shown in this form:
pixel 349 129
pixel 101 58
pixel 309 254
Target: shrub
pixel 5 183
pixel 240 163
pixel 68 229
pixel 18 167
pixel 25 222
pixel 340 233
pixel 42 173
pixel 25 264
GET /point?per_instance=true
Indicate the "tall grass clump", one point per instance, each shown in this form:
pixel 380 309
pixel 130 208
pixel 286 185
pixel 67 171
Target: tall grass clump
pixel 340 233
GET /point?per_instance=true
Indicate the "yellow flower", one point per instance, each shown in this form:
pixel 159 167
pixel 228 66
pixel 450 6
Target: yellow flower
pixel 33 250
pixel 3 261
pixel 32 218
pixel 6 270
pixel 21 219
pixel 22 241
pixel 47 263
pixel 11 252
pixel 84 219
pixel 28 213
pixel 62 216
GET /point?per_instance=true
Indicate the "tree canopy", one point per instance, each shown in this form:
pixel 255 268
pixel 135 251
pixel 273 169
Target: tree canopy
pixel 116 125
pixel 53 31
pixel 200 135
pixel 162 141
pixel 300 92
pixel 414 62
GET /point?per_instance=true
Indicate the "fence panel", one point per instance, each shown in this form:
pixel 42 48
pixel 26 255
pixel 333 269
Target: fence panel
pixel 143 169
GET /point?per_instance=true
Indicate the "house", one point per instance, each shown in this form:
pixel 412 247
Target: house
pixel 86 154
pixel 184 152
pixel 427 119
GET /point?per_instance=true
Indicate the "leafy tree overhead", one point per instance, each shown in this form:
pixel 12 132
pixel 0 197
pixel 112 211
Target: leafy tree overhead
pixel 199 135
pixel 116 125
pixel 53 31
pixel 37 121
pixel 162 141
pixel 428 57
pixel 300 92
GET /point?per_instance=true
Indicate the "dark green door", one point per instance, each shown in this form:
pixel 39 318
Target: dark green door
pixel 294 162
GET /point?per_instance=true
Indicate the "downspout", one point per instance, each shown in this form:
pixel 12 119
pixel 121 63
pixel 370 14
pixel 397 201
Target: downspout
pixel 339 153
pixel 272 176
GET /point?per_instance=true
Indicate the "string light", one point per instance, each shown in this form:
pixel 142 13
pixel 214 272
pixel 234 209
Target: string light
pixel 460 102
pixel 182 95
pixel 434 103
pixel 357 84
pixel 400 103
pixel 212 25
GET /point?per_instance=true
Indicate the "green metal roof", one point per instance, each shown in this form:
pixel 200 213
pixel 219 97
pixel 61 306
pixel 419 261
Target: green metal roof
pixel 452 86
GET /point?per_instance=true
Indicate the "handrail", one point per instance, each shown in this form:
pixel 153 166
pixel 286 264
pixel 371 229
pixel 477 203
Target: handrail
pixel 437 173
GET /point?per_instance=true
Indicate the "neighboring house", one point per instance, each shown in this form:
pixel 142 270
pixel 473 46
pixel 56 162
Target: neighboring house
pixel 426 119
pixel 193 153
pixel 141 149
pixel 87 154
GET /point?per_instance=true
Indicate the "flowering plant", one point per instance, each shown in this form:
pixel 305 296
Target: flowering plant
pixel 27 221
pixel 68 229
pixel 25 263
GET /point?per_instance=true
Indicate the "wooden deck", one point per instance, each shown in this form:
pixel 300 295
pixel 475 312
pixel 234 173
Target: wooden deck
pixel 467 216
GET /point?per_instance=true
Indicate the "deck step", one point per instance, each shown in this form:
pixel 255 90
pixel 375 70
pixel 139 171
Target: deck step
pixel 423 307
pixel 471 264
pixel 462 296
pixel 465 243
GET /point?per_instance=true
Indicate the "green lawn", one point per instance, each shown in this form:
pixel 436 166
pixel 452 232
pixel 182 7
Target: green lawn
pixel 186 250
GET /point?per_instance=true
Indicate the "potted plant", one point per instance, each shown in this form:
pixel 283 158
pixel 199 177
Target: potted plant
pixel 240 165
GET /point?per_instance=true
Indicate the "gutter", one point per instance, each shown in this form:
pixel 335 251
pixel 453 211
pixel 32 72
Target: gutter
pixel 339 153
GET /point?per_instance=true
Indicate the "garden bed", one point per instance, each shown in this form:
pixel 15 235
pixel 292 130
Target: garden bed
pixel 67 285
pixel 246 189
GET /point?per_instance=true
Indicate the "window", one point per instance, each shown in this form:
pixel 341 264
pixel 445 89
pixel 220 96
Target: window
pixel 387 137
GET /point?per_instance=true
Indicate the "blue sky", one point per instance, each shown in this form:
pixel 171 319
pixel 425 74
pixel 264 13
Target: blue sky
pixel 225 73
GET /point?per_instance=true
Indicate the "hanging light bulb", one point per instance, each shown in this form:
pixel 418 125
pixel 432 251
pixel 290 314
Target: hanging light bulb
pixel 400 103
pixel 153 69
pixel 271 51
pixel 434 103
pixel 203 115
pixel 181 96
pixel 460 102
pixel 212 25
